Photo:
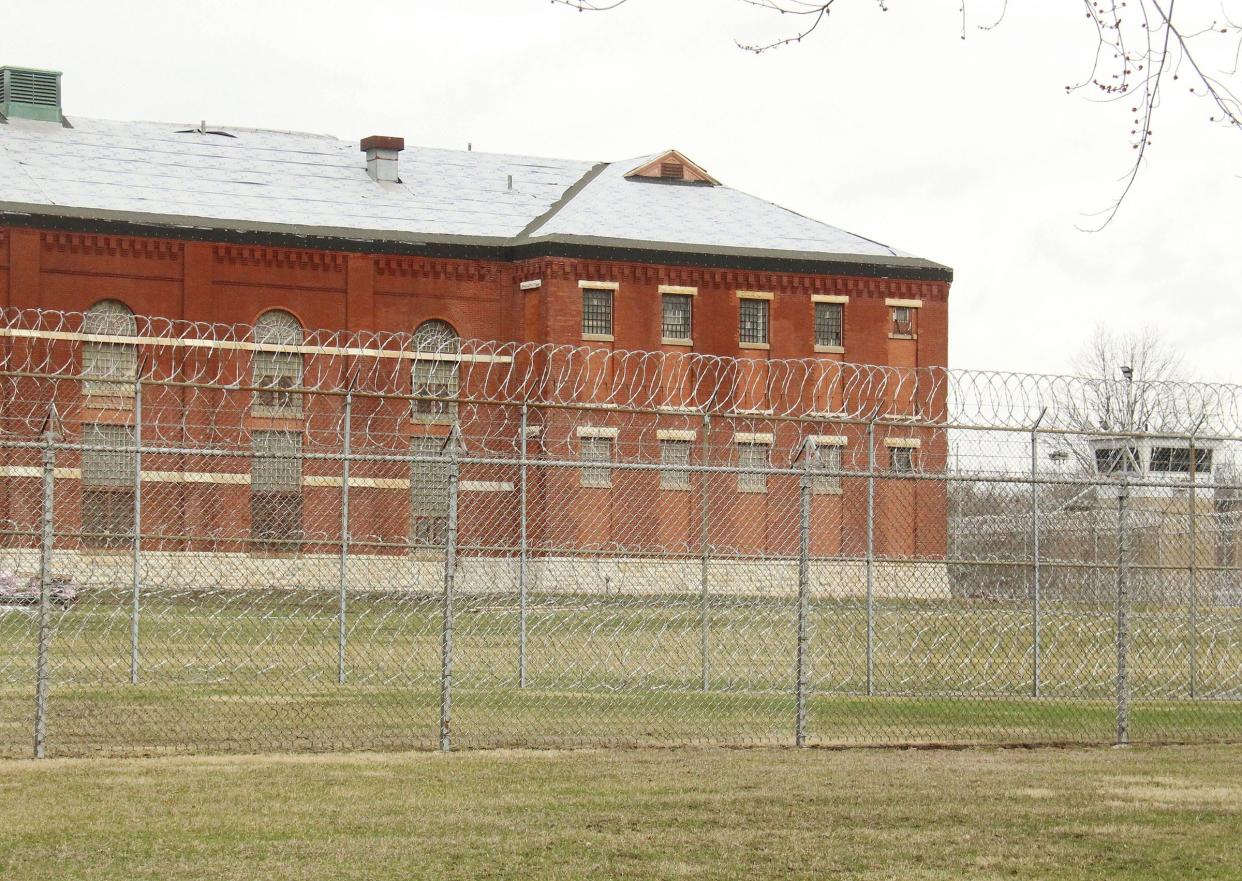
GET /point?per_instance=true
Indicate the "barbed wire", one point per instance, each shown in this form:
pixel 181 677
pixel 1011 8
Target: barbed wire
pixel 221 357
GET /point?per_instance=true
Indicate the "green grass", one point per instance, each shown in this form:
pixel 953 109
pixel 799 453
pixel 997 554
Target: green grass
pixel 256 671
pixel 694 813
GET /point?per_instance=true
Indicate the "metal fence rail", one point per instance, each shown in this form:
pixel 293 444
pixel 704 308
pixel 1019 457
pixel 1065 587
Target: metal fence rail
pixel 217 538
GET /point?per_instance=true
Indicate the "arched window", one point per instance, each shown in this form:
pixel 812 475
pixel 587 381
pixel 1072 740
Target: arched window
pixel 276 371
pixel 436 351
pixel 109 368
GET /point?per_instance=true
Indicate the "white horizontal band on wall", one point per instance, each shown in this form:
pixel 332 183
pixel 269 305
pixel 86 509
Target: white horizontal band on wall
pixel 232 477
pixel 533 284
pixel 830 440
pixel 596 431
pixel 681 434
pixel 679 289
pixel 486 486
pixel 907 442
pixel 241 346
pixel 755 295
pixel 598 285
pixel 909 304
pixel 669 408
pixel 829 298
pixel 357 482
pixel 238 479
pixel 746 437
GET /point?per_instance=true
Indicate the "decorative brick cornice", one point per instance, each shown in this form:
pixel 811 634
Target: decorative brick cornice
pixel 283 258
pixel 789 283
pixel 111 246
pixel 428 267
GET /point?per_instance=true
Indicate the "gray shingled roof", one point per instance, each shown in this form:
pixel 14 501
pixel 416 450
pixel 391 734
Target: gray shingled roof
pixel 611 206
pixel 274 180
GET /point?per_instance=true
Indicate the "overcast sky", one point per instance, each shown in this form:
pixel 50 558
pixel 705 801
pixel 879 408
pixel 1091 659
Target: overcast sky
pixel 887 124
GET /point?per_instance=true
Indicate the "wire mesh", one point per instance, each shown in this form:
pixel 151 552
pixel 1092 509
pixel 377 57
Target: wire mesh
pixel 275 538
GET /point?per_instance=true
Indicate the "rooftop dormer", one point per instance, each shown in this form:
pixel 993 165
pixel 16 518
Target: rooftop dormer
pixel 672 167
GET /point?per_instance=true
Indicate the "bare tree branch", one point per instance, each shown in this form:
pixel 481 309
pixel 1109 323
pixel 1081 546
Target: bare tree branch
pixel 1143 46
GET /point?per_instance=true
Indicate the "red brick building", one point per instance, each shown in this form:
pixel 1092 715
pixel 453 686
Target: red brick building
pixel 292 232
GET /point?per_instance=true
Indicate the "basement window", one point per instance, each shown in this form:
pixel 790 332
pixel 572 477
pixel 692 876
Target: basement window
pixel 827 458
pixel 596 456
pixel 674 459
pixel 752 455
pixel 901 460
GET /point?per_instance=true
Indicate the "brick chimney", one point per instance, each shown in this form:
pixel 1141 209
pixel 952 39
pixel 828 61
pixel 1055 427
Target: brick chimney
pixel 382 153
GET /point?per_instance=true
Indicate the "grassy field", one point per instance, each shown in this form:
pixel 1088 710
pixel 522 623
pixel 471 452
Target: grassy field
pixel 256 671
pixel 691 813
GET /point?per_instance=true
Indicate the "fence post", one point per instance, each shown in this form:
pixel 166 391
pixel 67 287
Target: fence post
pixel 870 556
pixel 1194 588
pixel 136 600
pixel 343 574
pixel 1035 592
pixel 450 574
pixel 45 584
pixel 704 551
pixel 522 550
pixel 804 583
pixel 1123 614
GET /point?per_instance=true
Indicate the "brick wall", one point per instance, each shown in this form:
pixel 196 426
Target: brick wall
pixel 227 283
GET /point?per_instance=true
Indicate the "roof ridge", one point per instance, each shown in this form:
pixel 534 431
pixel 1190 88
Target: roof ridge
pixel 565 198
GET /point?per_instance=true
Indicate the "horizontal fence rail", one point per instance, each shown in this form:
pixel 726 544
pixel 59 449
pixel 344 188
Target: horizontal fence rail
pixel 222 538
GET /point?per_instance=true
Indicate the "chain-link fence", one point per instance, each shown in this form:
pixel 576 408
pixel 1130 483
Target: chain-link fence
pixel 259 538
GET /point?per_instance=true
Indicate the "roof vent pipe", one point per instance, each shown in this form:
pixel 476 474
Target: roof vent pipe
pixel 382 153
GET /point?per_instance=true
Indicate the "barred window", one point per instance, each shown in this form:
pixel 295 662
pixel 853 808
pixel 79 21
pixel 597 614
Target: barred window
pixel 751 455
pixel 103 361
pixel 674 456
pixel 829 324
pixel 901 460
pixel 596 312
pixel 1177 459
pixel 276 490
pixel 827 458
pixel 753 321
pixel 676 316
pixel 1113 460
pixel 596 456
pixel 903 321
pixel 428 492
pixel 107 486
pixel 435 377
pixel 275 373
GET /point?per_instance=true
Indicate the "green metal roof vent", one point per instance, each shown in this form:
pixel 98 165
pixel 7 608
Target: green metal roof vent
pixel 26 93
